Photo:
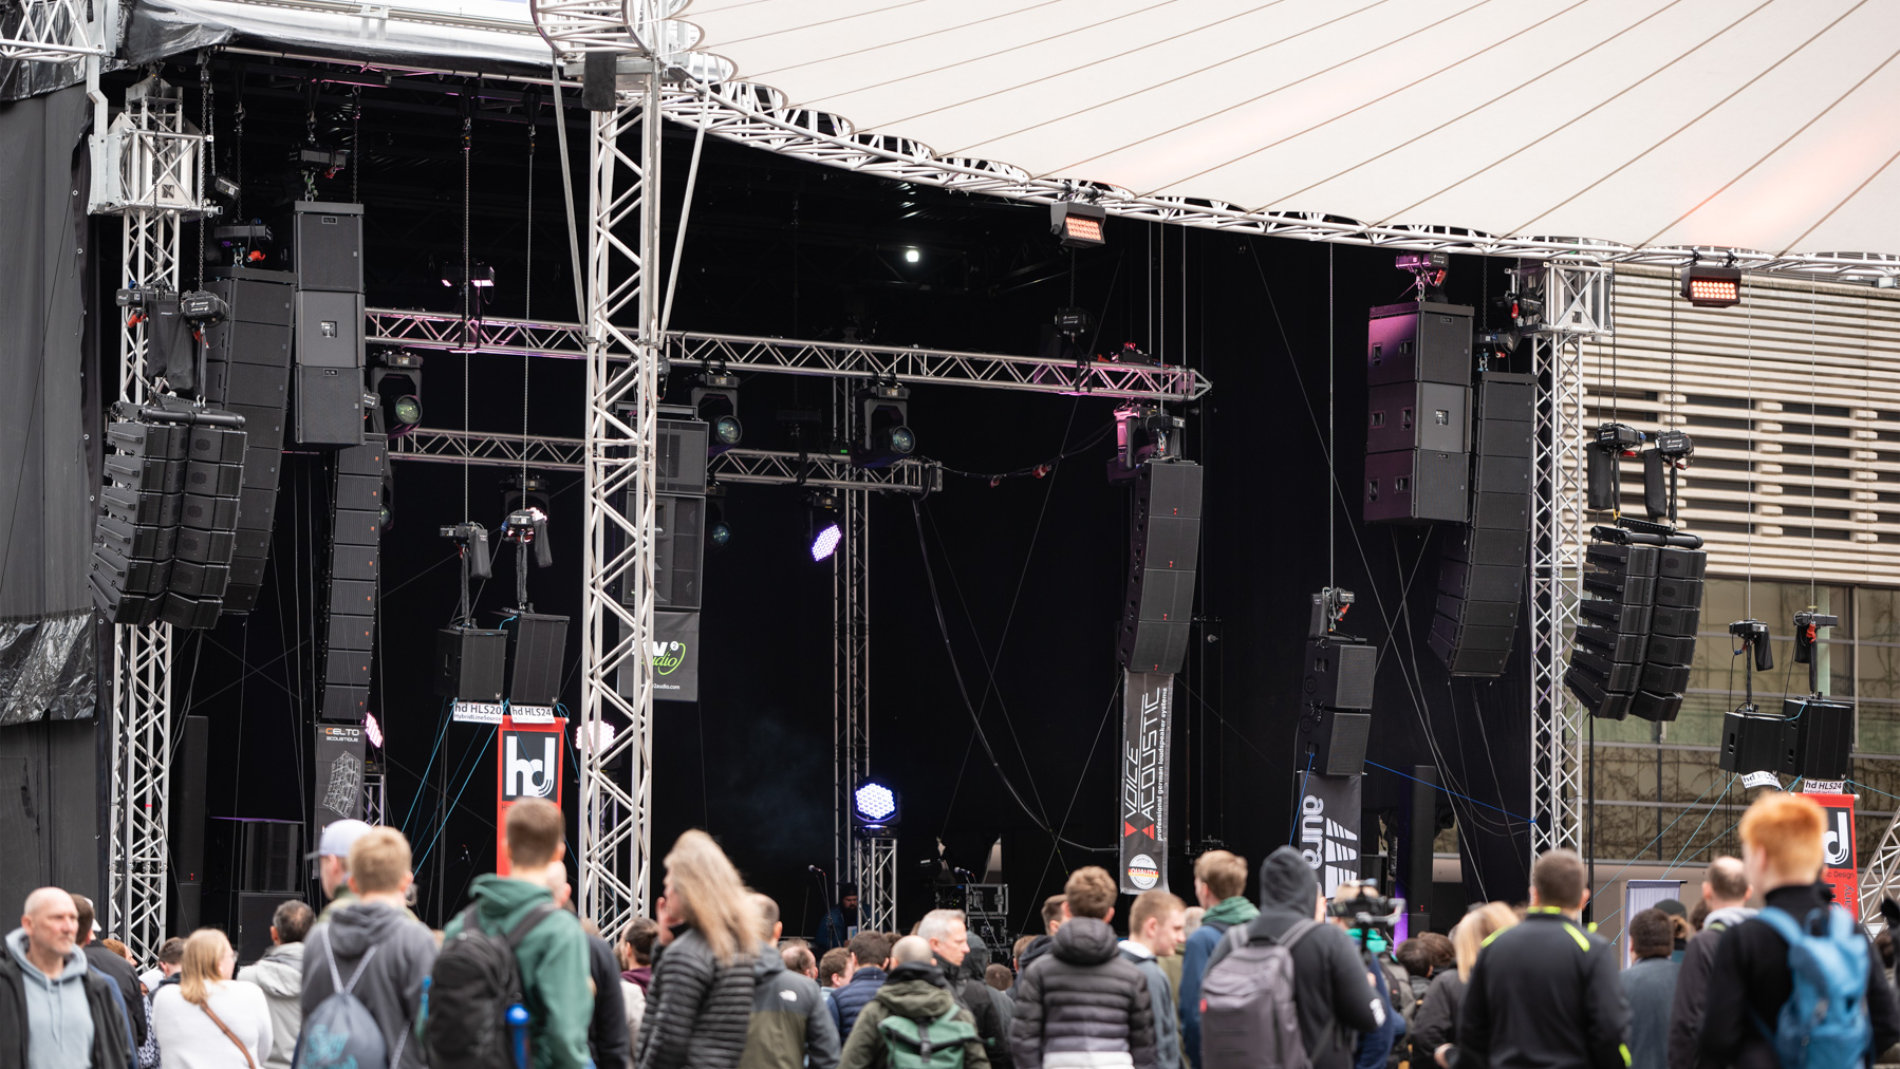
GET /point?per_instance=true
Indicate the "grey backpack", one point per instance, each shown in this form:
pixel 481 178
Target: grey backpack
pixel 340 1033
pixel 1248 1020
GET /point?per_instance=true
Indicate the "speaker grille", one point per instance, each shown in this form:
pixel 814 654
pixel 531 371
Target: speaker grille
pixel 1164 547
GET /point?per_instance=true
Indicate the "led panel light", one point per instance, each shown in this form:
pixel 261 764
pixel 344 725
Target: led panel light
pixel 1708 286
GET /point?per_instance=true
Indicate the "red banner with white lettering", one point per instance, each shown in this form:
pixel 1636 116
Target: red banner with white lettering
pixel 1840 868
pixel 528 765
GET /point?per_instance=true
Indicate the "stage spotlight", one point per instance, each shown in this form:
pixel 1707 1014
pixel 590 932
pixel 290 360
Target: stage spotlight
pixel 1077 225
pixel 885 434
pixel 874 805
pixel 595 741
pixel 825 532
pixel 912 256
pixel 718 531
pixel 1709 286
pixel 481 277
pixel 396 380
pixel 716 400
pixel 372 730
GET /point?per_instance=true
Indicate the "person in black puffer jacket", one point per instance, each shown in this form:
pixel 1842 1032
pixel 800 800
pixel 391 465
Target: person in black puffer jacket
pixel 699 1005
pixel 1081 1005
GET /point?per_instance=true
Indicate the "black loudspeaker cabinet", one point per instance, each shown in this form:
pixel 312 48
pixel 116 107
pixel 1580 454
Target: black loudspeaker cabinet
pixel 679 551
pixel 1758 742
pixel 329 406
pixel 1434 416
pixel 1421 341
pixel 470 663
pixel 1337 742
pixel 1416 486
pixel 1164 549
pixel 327 244
pixel 1338 675
pixel 540 643
pixel 251 915
pixel 680 456
pixel 188 820
pixel 272 855
pixel 329 329
pixel 1824 736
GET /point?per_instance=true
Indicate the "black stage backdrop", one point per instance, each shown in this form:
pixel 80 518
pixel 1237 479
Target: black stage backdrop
pixel 1023 573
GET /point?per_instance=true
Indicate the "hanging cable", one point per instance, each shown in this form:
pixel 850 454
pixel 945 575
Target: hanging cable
pixel 527 301
pixel 567 189
pixel 1332 457
pixel 468 138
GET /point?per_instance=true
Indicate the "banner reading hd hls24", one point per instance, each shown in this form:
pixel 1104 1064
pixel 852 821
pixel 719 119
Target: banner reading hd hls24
pixel 1147 716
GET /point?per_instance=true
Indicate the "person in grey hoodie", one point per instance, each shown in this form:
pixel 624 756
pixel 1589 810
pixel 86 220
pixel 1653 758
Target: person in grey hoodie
pixel 1333 992
pixel 390 984
pixel 55 1012
pixel 280 974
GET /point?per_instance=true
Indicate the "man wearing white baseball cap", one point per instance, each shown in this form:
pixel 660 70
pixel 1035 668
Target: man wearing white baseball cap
pixel 333 863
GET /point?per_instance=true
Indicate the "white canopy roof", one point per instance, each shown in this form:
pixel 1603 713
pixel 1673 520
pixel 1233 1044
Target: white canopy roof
pixel 1765 125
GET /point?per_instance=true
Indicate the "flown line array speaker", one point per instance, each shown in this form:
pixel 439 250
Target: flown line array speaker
pixel 1636 638
pixel 168 522
pixel 1164 546
pixel 328 388
pixel 1418 370
pixel 1336 687
pixel 1481 573
pixel 355 560
pixel 1813 737
pixel 247 370
pixel 679 516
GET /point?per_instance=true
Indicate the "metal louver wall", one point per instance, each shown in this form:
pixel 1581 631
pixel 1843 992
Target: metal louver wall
pixel 1793 400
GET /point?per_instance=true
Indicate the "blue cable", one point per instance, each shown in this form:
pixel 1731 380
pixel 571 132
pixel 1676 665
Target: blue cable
pixel 444 822
pixel 417 797
pixel 1453 793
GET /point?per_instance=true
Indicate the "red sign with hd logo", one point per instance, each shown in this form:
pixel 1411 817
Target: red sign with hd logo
pixel 529 764
pixel 1839 865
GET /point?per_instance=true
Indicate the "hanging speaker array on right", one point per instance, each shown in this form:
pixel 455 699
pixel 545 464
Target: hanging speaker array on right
pixel 1481 574
pixel 1636 635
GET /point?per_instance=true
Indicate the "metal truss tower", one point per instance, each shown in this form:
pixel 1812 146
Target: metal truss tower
pixel 1576 309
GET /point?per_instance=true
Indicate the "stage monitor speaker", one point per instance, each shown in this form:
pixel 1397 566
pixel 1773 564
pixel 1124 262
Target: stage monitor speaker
pixel 329 406
pixel 188 819
pixel 273 855
pixel 1338 742
pixel 1824 742
pixel 1339 675
pixel 469 663
pixel 1418 415
pixel 1419 341
pixel 1164 548
pixel 328 247
pixel 680 456
pixel 1416 486
pixel 1759 742
pixel 540 643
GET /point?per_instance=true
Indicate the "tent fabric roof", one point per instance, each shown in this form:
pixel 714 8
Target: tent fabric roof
pixel 1761 125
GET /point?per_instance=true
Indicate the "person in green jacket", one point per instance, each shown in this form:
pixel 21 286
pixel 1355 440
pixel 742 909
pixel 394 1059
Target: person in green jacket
pixel 916 990
pixel 553 957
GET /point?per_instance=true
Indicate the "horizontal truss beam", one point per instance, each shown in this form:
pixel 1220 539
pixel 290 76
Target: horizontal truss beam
pixel 733 352
pixel 765 467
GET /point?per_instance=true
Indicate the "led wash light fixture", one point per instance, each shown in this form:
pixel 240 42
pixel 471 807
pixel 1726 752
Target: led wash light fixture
pixel 825 532
pixel 1709 286
pixel 1077 225
pixel 874 805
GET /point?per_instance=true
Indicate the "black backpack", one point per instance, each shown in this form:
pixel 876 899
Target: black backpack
pixel 476 980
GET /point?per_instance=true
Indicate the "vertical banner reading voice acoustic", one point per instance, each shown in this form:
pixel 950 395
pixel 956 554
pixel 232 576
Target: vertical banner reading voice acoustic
pixel 529 762
pixel 1329 829
pixel 1840 865
pixel 1147 713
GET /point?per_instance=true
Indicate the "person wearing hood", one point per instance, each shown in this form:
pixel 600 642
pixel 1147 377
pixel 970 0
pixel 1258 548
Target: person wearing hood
pixel 699 1007
pixel 1154 934
pixel 1220 880
pixel 790 1027
pixel 1081 1006
pixel 55 1011
pixel 948 935
pixel 609 1039
pixel 635 951
pixel 389 984
pixel 1334 995
pixel 916 991
pixel 279 973
pixel 1725 891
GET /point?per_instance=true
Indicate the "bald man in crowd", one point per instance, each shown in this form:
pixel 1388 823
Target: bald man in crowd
pixel 1725 889
pixel 55 1011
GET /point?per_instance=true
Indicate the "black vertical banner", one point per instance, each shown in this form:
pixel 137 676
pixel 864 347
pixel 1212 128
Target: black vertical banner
pixel 1147 713
pixel 1328 834
pixel 339 780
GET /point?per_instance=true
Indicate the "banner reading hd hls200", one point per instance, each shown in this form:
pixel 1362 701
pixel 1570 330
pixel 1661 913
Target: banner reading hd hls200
pixel 1147 716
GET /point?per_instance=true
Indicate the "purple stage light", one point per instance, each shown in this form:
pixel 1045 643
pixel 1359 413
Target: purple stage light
pixel 826 542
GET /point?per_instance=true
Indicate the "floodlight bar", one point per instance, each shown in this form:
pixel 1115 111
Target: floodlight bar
pixel 1709 286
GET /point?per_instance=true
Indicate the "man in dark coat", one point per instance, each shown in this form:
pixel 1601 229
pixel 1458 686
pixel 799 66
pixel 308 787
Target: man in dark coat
pixel 1725 891
pixel 918 992
pixel 1333 991
pixel 868 951
pixel 1650 986
pixel 790 1026
pixel 112 965
pixel 1081 1006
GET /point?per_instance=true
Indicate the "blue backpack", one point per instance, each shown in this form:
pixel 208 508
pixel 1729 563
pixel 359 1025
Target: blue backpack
pixel 340 1033
pixel 1823 1025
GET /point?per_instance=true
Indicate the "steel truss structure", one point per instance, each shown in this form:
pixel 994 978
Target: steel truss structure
pixel 1880 877
pixel 738 353
pixel 1577 307
pixel 877 879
